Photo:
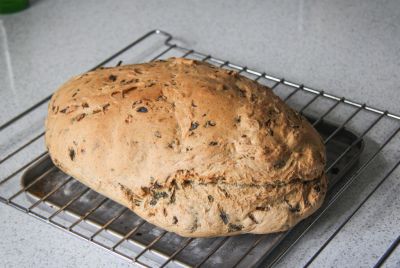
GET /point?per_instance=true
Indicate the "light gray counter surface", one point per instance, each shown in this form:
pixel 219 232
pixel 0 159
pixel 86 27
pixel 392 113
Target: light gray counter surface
pixel 349 48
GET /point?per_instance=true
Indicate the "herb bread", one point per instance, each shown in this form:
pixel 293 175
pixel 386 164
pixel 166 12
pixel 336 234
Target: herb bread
pixel 189 147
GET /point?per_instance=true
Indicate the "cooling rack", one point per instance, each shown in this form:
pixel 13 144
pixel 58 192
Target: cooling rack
pixel 360 141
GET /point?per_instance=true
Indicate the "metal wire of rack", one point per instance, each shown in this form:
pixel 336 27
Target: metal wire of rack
pixel 379 128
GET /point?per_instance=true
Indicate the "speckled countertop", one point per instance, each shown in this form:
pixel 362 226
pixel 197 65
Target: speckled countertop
pixel 350 48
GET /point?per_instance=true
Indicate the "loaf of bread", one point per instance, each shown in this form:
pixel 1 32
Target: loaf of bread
pixel 189 147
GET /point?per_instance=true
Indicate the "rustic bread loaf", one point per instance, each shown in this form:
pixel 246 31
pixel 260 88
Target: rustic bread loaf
pixel 194 149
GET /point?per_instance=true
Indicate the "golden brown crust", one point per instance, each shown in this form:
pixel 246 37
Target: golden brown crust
pixel 192 148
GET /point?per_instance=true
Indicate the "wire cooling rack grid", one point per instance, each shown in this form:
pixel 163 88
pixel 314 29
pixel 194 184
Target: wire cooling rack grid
pixel 124 234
